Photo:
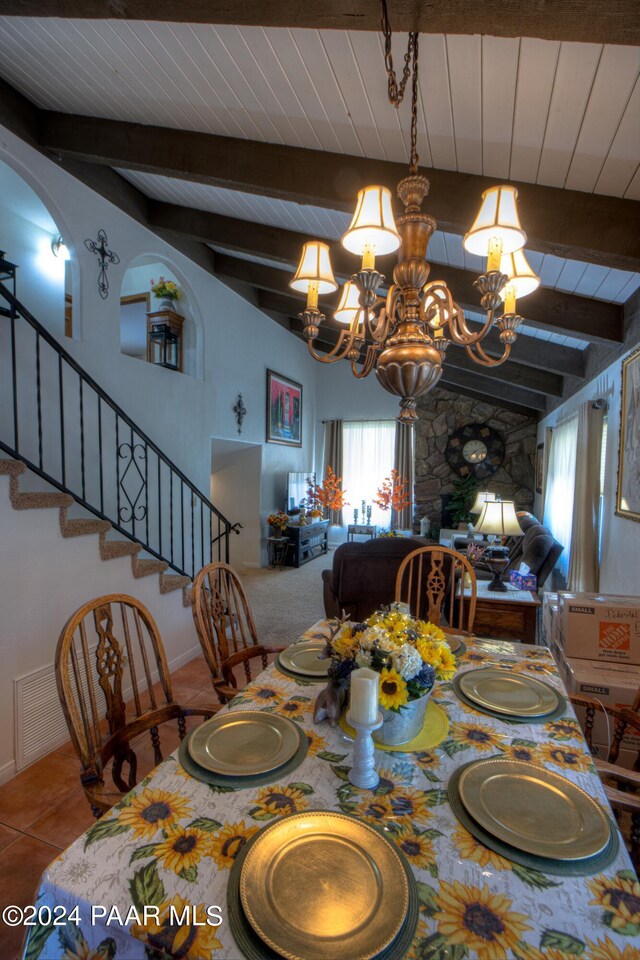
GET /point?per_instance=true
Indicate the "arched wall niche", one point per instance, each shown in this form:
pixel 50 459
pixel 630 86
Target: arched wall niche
pixel 136 300
pixel 30 220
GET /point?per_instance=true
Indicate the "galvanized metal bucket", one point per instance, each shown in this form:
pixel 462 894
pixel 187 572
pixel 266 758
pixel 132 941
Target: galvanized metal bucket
pixel 403 726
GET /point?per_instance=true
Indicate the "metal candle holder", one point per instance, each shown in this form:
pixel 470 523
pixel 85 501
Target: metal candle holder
pixel 363 773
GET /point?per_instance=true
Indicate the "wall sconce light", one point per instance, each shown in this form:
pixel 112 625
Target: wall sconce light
pixel 59 248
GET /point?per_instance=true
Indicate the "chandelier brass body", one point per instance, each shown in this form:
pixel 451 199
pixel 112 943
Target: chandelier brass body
pixel 406 334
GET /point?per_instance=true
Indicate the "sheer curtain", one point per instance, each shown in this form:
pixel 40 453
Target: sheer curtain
pixel 560 487
pixel 368 451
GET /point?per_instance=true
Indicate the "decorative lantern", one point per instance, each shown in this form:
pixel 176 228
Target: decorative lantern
pixel 164 339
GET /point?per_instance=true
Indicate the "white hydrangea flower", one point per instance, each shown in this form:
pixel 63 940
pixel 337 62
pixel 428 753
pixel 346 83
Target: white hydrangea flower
pixel 407 661
pixel 363 658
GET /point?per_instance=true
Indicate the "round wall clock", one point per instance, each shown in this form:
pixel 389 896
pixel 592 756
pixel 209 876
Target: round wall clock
pixel 475 450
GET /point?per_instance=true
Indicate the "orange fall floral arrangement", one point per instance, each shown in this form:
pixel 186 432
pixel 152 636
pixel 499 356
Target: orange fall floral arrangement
pixel 326 496
pixel 394 493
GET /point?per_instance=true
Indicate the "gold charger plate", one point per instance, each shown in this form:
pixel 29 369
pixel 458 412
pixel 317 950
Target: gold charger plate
pixel 303 658
pixel 454 641
pixel 244 743
pixel 509 693
pixel 533 809
pixel 324 886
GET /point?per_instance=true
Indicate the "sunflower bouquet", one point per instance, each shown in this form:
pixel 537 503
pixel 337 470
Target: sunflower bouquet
pixel 408 654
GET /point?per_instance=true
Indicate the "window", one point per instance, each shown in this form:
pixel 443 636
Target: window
pixel 560 487
pixel 368 459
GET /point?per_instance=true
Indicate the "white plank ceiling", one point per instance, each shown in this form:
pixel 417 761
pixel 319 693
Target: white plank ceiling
pixel 560 114
pixel 567 276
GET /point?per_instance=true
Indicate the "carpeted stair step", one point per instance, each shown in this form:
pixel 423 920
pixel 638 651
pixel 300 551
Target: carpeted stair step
pixel 39 501
pixel 82 526
pixel 172 581
pixel 12 468
pixel 144 568
pixel 186 596
pixel 112 549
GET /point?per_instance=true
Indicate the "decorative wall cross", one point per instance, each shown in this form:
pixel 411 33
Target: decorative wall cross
pixel 240 411
pixel 105 257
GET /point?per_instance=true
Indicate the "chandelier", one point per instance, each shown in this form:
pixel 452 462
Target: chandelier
pixel 405 335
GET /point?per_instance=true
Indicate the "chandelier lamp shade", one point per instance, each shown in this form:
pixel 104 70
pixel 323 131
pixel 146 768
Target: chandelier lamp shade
pixel 404 335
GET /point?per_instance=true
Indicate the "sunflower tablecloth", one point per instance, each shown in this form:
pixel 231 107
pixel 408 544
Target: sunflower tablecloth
pixel 173 839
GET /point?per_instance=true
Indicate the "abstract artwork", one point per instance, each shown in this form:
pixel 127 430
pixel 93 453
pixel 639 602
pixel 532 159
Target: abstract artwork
pixel 628 498
pixel 284 410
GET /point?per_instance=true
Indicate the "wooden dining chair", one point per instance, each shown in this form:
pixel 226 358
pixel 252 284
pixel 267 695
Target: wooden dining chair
pixel 226 628
pixel 621 785
pixel 432 581
pixel 109 649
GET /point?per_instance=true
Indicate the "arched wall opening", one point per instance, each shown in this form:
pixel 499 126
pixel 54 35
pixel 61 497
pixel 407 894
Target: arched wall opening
pixel 48 282
pixel 137 301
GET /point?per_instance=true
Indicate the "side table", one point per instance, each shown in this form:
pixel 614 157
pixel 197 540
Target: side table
pixel 277 550
pixel 364 529
pixel 507 616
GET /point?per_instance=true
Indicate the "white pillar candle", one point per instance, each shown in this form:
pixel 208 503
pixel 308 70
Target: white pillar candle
pixel 363 704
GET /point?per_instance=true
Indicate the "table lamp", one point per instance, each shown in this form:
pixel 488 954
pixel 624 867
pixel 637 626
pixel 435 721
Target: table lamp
pixel 498 517
pixel 481 498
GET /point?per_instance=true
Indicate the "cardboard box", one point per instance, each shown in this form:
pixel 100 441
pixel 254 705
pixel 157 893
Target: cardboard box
pixel 598 627
pixel 523 581
pixel 613 684
pixel 548 618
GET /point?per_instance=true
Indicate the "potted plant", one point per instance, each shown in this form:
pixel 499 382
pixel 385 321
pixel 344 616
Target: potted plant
pixel 278 522
pixel 464 491
pixel 167 292
pixel 408 654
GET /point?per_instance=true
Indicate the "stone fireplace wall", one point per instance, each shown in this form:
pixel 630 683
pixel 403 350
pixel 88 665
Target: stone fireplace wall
pixel 440 412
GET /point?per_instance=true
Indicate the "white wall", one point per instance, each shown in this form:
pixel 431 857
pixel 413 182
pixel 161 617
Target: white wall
pixel 620 562
pixel 44 578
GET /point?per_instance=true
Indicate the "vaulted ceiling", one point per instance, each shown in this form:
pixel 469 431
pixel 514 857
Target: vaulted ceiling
pixel 240 129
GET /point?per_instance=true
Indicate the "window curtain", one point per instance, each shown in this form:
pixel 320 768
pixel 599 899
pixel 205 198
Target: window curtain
pixel 333 457
pixel 584 565
pixel 403 463
pixel 560 487
pixel 368 459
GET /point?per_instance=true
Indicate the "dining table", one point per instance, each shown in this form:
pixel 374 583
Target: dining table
pixel 173 839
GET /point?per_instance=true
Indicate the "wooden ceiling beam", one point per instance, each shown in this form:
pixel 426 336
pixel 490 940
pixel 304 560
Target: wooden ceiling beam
pixel 581 226
pixel 561 312
pixel 511 372
pixel 589 21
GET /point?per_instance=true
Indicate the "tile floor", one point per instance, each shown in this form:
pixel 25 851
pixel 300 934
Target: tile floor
pixel 43 809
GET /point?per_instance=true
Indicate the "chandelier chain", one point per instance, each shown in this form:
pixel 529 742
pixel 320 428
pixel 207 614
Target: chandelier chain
pixel 397 90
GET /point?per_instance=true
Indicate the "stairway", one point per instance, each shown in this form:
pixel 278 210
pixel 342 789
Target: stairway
pixel 109 548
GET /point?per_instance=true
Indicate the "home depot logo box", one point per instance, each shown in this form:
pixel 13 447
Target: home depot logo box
pixel 599 627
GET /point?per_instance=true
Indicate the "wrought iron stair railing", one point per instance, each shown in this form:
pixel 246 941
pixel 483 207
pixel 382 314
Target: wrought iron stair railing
pixel 67 429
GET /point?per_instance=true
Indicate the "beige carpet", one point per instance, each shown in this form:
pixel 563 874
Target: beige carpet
pixel 286 601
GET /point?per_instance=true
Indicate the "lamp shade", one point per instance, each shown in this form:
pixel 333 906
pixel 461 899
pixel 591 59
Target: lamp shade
pixel 372 224
pixel 497 219
pixel 499 517
pixel 314 267
pixel 481 498
pixel 520 274
pixel 349 304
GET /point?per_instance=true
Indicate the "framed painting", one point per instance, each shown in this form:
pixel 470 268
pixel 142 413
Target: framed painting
pixel 284 410
pixel 539 467
pixel 628 495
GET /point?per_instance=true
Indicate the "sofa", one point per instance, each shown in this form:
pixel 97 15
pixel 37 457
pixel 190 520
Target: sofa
pixel 363 575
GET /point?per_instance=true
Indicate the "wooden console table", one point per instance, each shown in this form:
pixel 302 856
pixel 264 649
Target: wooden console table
pixel 306 542
pixel 507 616
pixel 361 529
